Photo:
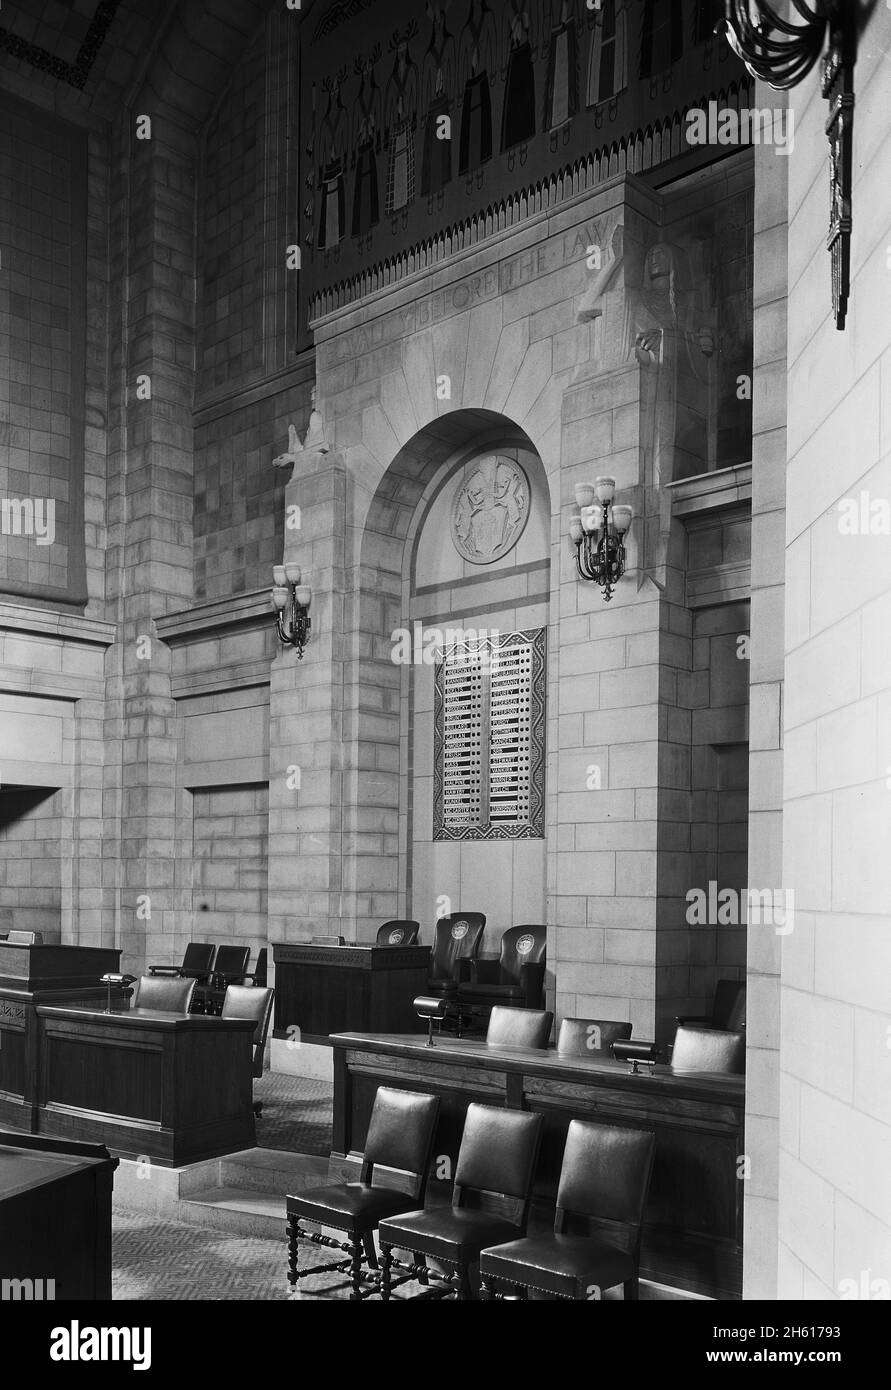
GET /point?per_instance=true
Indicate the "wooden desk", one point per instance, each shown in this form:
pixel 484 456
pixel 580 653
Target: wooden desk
pixel 321 989
pixel 692 1236
pixel 34 975
pixel 55 1218
pixel 175 1088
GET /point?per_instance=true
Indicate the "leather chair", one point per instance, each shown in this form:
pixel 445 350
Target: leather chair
pixel 708 1049
pixel 515 979
pixel 249 1001
pixel 169 996
pixel 400 1137
pixel 456 940
pixel 229 968
pixel 490 1204
pixel 728 1008
pixel 519 1027
pixel 590 1037
pixel 197 963
pixel 601 1197
pixel 398 933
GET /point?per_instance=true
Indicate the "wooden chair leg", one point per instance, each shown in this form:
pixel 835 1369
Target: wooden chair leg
pixel 370 1252
pixel 418 1258
pixel 632 1288
pixel 293 1239
pixel 355 1266
pixel 386 1261
pixel 463 1291
pixel 486 1294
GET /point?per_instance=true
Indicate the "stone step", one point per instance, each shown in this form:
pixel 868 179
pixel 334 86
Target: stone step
pixel 237 1210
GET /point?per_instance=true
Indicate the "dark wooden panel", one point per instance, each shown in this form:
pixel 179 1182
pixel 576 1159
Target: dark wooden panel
pixel 90 1075
pixel 326 989
pixel 55 1216
pixel 13 1061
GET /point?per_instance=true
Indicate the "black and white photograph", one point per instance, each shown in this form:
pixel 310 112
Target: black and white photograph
pixel 445 672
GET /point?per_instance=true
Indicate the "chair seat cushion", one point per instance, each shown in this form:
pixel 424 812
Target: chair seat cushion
pixel 350 1206
pixel 569 1265
pixel 443 986
pixel 478 993
pixel 448 1233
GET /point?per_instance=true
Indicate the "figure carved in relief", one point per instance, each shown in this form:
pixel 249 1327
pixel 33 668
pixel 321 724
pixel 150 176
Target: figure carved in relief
pixel 400 117
pixel 490 509
pixel 437 82
pixel 332 162
pixel 366 146
pixel 562 85
pixel 476 59
pixel 608 54
pixel 518 114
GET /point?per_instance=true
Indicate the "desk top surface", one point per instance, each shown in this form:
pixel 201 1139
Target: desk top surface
pixel 144 1018
pixel 21 1170
pixel 470 1052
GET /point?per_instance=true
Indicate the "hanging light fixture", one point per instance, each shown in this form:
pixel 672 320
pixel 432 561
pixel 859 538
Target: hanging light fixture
pixel 598 530
pixel 782 53
pixel 291 601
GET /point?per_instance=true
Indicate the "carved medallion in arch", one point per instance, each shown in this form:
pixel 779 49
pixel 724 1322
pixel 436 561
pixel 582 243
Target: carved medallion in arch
pixel 490 509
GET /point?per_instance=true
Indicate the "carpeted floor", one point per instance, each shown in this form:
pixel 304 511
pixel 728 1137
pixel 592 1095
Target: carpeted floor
pixel 169 1261
pixel 297 1114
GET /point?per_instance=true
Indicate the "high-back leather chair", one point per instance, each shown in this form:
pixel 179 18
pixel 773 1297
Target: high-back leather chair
pixel 708 1049
pixel 230 967
pixel 250 1001
pixel 398 933
pixel 197 963
pixel 601 1198
pixel 728 1008
pixel 519 1027
pixel 456 940
pixel 490 1203
pixel 590 1037
pixel 173 996
pixel 515 979
pixel 400 1137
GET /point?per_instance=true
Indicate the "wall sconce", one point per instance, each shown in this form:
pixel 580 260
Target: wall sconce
pixel 782 54
pixel 291 601
pixel 597 530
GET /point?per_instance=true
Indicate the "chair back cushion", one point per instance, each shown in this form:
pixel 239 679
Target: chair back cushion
pixel 232 960
pixel 197 960
pixel 397 933
pixel 606 1171
pixel 400 1132
pixel 708 1049
pixel 172 996
pixel 590 1037
pixel 729 1010
pixel 521 946
pixel 498 1150
pixel 518 1027
pixel 456 937
pixel 249 1001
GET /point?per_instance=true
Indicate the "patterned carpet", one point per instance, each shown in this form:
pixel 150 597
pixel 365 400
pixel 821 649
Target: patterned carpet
pixel 152 1259
pixel 297 1114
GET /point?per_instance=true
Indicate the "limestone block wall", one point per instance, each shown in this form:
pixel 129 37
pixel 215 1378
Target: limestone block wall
pixel 835 984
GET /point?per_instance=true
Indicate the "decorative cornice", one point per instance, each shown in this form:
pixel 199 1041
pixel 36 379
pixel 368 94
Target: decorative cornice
pixel 636 154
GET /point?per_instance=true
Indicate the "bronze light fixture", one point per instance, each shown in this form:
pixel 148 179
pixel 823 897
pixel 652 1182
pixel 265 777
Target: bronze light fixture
pixel 781 54
pixel 597 530
pixel 291 601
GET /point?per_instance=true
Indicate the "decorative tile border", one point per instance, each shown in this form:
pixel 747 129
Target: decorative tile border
pixel 76 73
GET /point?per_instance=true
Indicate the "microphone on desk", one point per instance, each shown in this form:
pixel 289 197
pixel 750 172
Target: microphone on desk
pixel 112 979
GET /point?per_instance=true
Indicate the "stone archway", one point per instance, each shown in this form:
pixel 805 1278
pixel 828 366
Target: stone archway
pixel 377 797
